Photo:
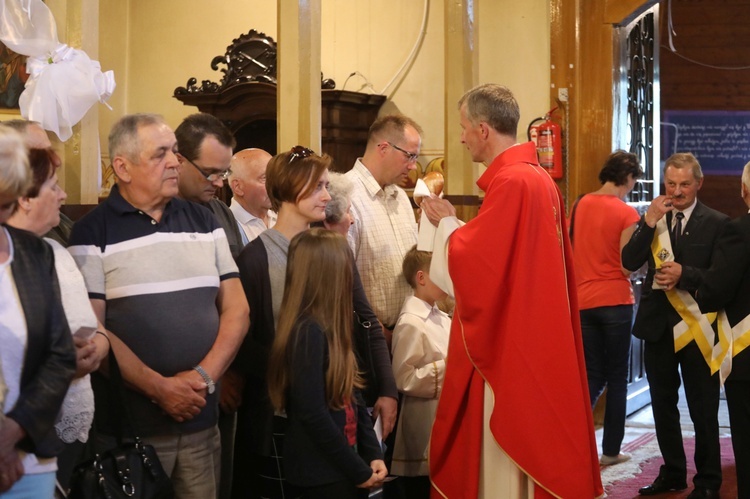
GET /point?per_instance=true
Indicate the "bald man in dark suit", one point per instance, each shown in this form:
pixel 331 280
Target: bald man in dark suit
pixel 726 286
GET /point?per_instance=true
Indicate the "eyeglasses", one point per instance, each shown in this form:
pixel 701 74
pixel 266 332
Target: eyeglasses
pixel 212 177
pixel 411 156
pixel 300 152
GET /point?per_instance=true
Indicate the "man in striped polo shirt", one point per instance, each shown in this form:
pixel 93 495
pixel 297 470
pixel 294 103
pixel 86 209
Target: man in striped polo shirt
pixel 162 280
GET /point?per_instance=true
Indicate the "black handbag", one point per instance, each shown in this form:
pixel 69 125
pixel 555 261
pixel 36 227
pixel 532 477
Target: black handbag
pixel 131 470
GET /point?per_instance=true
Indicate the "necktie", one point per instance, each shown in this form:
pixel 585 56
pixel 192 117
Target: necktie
pixel 677 227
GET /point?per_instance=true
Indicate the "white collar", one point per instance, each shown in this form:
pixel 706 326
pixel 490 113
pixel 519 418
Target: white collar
pixel 418 307
pixel 371 185
pixel 240 213
pixel 687 212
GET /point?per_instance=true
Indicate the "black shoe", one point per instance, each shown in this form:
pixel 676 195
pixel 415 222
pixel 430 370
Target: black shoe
pixel 661 485
pixel 701 493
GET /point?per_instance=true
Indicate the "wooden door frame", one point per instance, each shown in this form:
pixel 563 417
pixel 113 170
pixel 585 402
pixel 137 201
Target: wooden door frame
pixel 583 62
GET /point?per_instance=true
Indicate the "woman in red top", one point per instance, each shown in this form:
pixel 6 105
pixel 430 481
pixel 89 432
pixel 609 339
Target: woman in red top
pixel 602 224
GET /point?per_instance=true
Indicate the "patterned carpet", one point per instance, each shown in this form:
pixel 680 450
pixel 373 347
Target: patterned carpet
pixel 622 481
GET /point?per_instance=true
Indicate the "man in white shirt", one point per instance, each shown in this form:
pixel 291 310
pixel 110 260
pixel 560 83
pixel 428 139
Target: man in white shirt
pixel 384 226
pixel 384 229
pixel 250 204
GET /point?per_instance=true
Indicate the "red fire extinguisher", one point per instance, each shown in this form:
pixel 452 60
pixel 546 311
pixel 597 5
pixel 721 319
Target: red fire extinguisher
pixel 547 136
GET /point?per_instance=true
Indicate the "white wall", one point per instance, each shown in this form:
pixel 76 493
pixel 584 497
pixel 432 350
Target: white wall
pixel 514 50
pixel 155 46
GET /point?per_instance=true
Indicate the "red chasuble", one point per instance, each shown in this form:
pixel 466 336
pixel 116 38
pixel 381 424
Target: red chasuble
pixel 516 326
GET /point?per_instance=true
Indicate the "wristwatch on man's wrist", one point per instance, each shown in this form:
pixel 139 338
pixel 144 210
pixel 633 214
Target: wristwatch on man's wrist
pixel 210 385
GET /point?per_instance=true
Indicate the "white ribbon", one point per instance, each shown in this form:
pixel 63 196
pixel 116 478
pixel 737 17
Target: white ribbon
pixel 27 27
pixel 62 87
pixel 64 82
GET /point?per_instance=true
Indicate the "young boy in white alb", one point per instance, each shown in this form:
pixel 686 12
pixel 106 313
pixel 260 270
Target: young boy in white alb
pixel 419 347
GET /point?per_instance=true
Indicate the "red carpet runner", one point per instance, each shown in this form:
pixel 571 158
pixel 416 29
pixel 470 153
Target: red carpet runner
pixel 644 449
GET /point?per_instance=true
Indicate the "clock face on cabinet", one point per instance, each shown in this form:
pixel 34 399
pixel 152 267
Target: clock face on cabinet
pixel 256 58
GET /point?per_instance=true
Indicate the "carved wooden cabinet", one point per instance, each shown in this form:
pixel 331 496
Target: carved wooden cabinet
pixel 245 100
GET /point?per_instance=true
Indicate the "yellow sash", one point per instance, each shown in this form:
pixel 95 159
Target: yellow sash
pixel 725 348
pixel 740 336
pixel 694 325
pixel 737 339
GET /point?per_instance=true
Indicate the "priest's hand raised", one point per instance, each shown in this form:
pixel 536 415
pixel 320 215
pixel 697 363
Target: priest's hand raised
pixel 436 209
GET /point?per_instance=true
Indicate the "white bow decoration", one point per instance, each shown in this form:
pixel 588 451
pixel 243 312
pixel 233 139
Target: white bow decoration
pixel 64 82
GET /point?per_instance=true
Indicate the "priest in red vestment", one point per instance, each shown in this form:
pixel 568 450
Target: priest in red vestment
pixel 515 389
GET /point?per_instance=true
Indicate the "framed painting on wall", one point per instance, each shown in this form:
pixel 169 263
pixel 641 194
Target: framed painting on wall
pixel 13 77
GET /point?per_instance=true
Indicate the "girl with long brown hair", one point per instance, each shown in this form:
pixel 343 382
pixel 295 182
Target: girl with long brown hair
pixel 297 185
pixel 330 446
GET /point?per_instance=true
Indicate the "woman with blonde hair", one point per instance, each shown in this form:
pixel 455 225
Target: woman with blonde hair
pixel 38 360
pixel 330 447
pixel 38 211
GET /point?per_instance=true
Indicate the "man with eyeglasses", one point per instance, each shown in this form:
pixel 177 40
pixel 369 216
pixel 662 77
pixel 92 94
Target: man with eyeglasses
pixel 384 224
pixel 384 227
pixel 205 150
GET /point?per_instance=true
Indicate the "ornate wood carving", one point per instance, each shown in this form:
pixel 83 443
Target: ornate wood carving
pixel 250 58
pixel 245 100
